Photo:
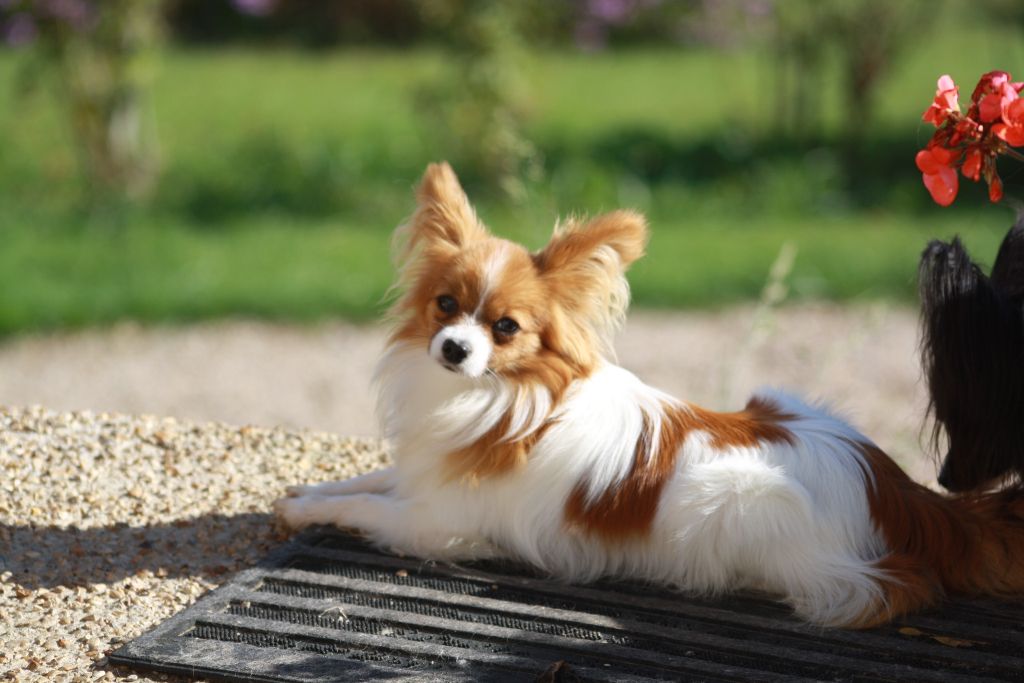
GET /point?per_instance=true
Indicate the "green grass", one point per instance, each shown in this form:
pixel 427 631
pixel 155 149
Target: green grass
pixel 274 269
pixel 285 172
pixel 167 273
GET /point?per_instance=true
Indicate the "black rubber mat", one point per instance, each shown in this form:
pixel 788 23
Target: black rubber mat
pixel 326 607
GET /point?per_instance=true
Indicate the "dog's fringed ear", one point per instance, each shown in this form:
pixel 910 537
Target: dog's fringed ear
pixel 972 348
pixel 1008 270
pixel 444 218
pixel 585 264
pixel 610 242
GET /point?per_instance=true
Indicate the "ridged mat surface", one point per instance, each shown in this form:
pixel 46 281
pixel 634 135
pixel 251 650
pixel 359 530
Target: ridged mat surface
pixel 326 607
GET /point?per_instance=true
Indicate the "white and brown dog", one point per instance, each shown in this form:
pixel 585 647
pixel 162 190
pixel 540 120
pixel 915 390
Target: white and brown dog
pixel 515 435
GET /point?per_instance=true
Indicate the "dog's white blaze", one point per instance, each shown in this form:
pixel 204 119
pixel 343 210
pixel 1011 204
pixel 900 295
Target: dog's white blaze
pixel 494 266
pixel 471 330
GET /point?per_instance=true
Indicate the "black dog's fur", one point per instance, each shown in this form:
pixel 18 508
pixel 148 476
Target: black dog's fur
pixel 972 349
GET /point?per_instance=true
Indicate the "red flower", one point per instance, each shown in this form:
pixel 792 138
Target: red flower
pixel 965 130
pixel 946 101
pixel 991 82
pixel 939 174
pixel 991 107
pixel 992 94
pixel 1011 132
pixel 995 189
pixel 972 163
pixel 972 142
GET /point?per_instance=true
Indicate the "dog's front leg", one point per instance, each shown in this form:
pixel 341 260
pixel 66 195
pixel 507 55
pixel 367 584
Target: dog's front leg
pixel 394 523
pixel 378 481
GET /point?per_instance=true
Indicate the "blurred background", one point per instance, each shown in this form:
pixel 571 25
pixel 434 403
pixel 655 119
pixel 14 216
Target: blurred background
pixel 173 161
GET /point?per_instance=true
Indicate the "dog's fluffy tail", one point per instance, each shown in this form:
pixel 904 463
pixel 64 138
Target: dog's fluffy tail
pixel 966 544
pixel 972 351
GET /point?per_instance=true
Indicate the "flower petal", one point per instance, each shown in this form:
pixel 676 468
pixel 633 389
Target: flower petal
pixel 1014 137
pixel 995 189
pixel 972 163
pixel 951 99
pixel 1011 135
pixel 926 162
pixel 943 185
pixel 989 82
pixel 1013 112
pixel 934 116
pixel 944 156
pixel 990 108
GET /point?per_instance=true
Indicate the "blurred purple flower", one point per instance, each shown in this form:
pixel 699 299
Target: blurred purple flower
pixel 760 8
pixel 76 13
pixel 611 11
pixel 256 8
pixel 19 30
pixel 597 16
pixel 616 12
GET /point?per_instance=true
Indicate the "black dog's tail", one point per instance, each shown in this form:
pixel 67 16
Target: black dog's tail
pixel 972 349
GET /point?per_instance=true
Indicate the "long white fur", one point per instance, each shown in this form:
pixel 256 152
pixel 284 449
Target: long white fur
pixel 790 519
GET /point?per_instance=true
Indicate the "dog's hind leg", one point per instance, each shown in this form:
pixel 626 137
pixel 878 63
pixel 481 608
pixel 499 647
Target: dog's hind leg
pixel 759 527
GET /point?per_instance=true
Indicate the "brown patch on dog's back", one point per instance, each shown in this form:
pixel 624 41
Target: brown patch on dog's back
pixel 627 509
pixel 760 421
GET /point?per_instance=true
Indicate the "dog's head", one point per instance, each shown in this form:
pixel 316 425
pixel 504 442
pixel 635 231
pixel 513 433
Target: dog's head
pixel 481 305
pixel 972 347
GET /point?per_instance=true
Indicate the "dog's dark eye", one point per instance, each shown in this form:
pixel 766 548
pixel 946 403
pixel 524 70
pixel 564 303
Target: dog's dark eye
pixel 506 327
pixel 447 304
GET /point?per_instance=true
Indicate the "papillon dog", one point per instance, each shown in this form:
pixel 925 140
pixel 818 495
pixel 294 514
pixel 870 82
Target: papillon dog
pixel 515 435
pixel 972 348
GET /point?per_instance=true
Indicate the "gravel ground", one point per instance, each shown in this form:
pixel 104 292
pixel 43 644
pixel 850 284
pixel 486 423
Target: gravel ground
pixel 109 523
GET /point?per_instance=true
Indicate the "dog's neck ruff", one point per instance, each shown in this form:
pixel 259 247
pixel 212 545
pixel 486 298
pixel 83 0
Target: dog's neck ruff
pixel 425 409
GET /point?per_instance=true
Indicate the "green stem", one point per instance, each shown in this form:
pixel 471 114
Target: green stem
pixel 1013 154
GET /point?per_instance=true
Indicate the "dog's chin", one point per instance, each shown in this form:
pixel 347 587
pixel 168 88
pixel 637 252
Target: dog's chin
pixel 462 371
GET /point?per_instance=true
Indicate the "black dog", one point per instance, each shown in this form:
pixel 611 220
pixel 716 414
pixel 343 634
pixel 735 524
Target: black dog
pixel 972 349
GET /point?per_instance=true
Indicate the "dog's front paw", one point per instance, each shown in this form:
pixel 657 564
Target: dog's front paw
pixel 294 512
pixel 298 490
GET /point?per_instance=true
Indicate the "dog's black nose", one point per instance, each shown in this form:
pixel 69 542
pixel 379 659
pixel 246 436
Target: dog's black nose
pixel 454 352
